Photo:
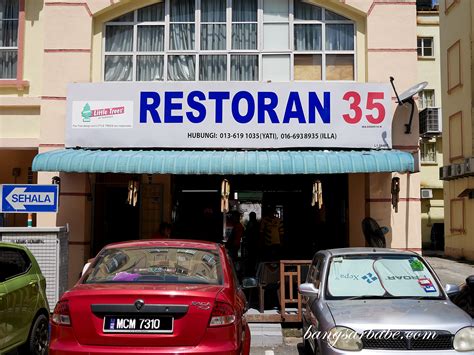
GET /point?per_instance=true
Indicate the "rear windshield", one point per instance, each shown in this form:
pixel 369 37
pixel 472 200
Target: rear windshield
pixel 156 265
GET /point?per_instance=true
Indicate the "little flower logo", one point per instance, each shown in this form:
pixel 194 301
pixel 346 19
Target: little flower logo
pixel 86 113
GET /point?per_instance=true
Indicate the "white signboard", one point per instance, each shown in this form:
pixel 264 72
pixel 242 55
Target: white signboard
pixel 229 115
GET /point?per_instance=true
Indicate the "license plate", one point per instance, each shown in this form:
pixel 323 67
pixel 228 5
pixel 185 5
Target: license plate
pixel 138 324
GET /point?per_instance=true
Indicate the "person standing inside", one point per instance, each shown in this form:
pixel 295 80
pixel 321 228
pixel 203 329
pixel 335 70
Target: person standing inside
pixel 272 232
pixel 233 243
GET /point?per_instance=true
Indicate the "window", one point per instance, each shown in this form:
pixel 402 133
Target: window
pixel 9 11
pixel 13 262
pixel 314 273
pixel 229 40
pixel 156 265
pixel 428 152
pixel 425 46
pixel 427 99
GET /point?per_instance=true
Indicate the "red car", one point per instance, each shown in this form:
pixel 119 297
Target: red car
pixel 154 297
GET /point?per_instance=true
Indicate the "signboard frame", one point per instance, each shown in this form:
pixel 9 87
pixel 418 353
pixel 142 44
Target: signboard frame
pixel 36 204
pixel 230 115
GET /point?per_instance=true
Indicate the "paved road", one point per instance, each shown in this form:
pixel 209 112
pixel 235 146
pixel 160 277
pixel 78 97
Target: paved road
pixel 451 271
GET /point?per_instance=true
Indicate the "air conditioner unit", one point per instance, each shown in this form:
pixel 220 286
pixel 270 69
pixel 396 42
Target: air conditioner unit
pixel 469 166
pixel 426 193
pixel 430 122
pixel 445 173
pixel 458 170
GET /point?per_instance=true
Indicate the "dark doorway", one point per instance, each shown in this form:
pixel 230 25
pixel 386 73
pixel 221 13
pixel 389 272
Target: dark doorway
pixel 115 220
pixel 307 228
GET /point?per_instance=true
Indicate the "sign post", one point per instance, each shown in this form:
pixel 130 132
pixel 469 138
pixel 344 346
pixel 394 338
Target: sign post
pixel 29 198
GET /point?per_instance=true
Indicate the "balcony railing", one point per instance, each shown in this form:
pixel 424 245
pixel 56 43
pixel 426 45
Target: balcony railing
pixel 430 124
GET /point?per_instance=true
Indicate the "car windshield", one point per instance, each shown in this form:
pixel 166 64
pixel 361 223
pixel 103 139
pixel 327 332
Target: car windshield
pixel 156 265
pixel 380 276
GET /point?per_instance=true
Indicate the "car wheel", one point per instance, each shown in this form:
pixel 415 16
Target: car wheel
pixel 37 343
pixel 307 347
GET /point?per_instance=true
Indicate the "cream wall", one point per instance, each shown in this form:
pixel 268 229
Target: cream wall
pixel 429 69
pixel 456 24
pixel 20 106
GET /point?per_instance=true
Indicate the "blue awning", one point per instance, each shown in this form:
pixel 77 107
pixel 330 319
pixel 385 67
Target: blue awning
pixel 193 162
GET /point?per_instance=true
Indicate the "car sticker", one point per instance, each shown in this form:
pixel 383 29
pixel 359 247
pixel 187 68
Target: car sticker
pixel 430 288
pixel 425 282
pixel 416 265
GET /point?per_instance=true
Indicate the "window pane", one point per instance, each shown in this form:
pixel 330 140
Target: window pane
pixel 149 67
pixel 9 33
pixel 118 38
pixel 276 36
pixel 244 36
pixel 182 10
pixel 276 67
pixel 428 152
pixel 182 36
pixel 307 67
pixel 339 37
pixel 118 67
pixel 151 38
pixel 182 67
pixel 9 9
pixel 213 67
pixel 124 18
pixel 419 51
pixel 244 10
pixel 213 37
pixel 308 37
pixel 154 12
pixel 340 67
pixel 304 11
pixel 213 10
pixel 275 10
pixel 428 52
pixel 12 263
pixel 8 60
pixel 244 68
pixel 332 16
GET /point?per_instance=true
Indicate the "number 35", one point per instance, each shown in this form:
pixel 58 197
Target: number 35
pixel 354 98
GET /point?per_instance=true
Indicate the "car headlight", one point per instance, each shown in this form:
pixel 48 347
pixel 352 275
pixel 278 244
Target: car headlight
pixel 464 339
pixel 343 338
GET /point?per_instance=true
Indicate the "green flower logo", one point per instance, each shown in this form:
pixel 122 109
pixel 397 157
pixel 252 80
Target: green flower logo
pixel 86 113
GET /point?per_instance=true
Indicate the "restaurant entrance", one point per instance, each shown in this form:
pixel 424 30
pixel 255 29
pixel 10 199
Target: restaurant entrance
pixel 306 227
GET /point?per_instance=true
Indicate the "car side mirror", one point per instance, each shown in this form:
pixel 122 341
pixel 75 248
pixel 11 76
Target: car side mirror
pixel 249 282
pixel 308 289
pixel 452 289
pixel 84 269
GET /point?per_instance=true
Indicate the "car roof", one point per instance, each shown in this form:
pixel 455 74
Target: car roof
pixel 355 251
pixel 171 243
pixel 13 245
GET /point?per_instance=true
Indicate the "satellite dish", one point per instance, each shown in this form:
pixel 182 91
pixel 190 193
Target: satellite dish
pixel 415 89
pixel 407 97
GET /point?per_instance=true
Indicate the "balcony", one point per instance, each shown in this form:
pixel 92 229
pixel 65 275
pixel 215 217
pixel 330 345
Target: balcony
pixel 430 124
